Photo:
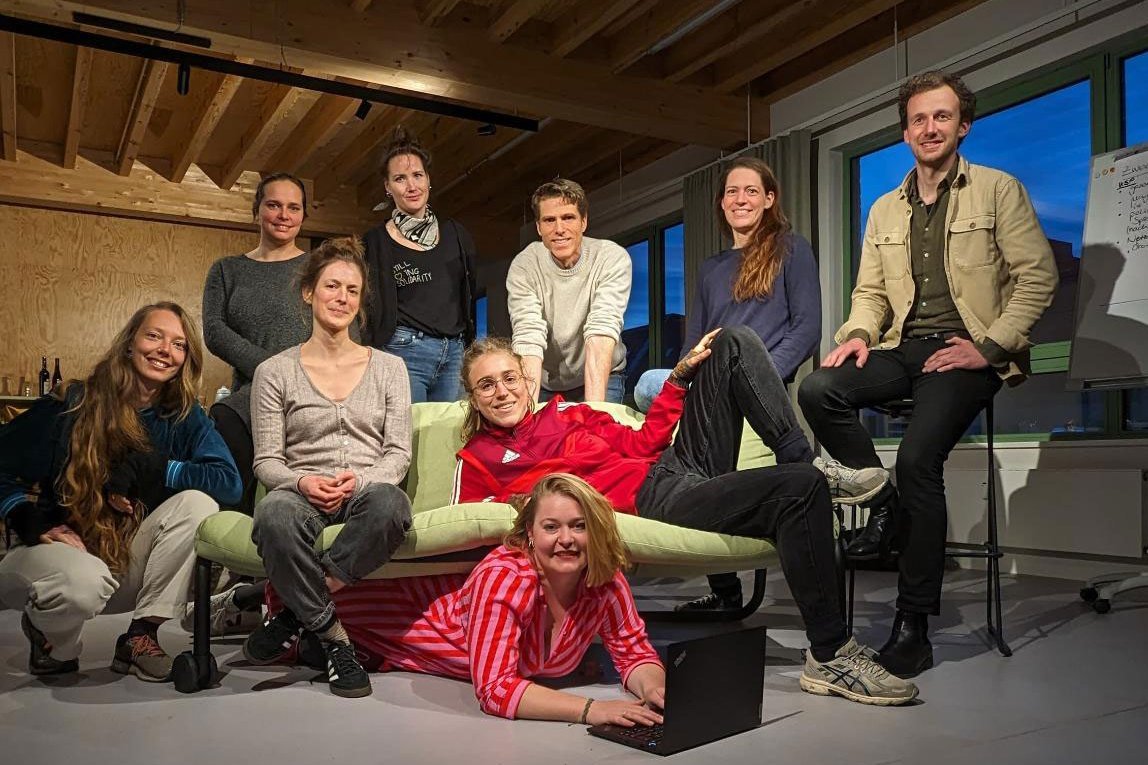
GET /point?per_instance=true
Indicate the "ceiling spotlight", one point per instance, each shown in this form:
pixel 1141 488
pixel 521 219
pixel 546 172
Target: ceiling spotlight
pixel 487 129
pixel 183 79
pixel 363 110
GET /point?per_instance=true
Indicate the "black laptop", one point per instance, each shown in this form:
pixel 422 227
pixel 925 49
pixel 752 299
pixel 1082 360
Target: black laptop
pixel 713 690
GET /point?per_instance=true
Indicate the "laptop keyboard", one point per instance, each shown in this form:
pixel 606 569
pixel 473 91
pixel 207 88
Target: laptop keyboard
pixel 645 735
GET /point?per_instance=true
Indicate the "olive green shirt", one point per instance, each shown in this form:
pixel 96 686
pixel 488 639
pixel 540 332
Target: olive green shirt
pixel 933 308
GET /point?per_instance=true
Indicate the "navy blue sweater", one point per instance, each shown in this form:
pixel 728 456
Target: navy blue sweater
pixel 788 320
pixel 34 451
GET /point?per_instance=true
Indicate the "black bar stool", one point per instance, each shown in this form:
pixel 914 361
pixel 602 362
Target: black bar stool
pixel 989 550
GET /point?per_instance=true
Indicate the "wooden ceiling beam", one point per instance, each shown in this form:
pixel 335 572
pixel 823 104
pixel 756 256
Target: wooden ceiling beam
pixel 543 155
pixel 143 104
pixel 38 182
pixel 738 27
pixel 874 36
pixel 398 53
pixel 584 20
pixel 514 16
pixel 8 94
pixel 457 159
pixel 358 6
pixel 203 125
pixel 325 117
pixel 81 81
pixel 638 39
pixel 735 71
pixel 279 101
pixel 380 126
pixel 434 11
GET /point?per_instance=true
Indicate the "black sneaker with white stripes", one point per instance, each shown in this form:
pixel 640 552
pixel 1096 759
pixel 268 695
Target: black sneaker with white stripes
pixel 345 674
pixel 273 640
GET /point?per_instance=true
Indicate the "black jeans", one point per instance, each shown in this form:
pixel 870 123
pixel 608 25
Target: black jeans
pixel 237 437
pixel 696 483
pixel 945 404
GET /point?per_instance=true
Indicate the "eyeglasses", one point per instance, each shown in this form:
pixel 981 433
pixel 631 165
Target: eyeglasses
pixel 487 386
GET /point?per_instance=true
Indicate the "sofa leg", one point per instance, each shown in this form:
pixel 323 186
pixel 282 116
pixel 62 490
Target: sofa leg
pixel 750 606
pixel 196 669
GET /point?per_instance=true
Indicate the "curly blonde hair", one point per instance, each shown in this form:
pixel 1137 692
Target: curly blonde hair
pixel 606 554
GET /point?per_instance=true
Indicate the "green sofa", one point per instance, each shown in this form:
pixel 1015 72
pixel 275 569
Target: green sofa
pixel 446 538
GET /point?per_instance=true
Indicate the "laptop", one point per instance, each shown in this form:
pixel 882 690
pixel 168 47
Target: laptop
pixel 713 690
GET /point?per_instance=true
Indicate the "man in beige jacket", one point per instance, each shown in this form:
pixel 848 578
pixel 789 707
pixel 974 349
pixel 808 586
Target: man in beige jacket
pixel 955 271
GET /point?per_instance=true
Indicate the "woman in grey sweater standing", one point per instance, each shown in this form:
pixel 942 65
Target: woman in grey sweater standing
pixel 332 426
pixel 252 310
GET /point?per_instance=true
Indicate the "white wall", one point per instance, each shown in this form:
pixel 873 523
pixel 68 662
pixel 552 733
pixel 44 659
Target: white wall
pixel 990 44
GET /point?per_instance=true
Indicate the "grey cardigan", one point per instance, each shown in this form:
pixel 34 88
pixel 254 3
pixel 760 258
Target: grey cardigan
pixel 299 432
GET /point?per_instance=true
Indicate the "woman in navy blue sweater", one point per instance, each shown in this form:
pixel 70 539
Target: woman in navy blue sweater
pixel 103 484
pixel 766 282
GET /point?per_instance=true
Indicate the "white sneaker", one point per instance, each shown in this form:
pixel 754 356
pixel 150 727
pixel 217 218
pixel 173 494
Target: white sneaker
pixel 226 617
pixel 851 486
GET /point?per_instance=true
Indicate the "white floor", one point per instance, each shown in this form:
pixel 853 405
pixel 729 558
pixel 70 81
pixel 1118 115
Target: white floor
pixel 1076 691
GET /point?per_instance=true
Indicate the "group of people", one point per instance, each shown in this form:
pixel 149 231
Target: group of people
pixel 103 483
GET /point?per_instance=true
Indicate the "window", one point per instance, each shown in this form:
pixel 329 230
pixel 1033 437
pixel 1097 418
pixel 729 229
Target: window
pixel 1044 131
pixel 480 317
pixel 654 322
pixel 1135 98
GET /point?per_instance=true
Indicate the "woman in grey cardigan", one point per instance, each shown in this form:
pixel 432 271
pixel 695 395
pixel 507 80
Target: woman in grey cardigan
pixel 252 310
pixel 332 426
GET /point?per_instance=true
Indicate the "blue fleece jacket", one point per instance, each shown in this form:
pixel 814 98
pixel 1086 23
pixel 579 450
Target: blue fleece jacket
pixel 34 452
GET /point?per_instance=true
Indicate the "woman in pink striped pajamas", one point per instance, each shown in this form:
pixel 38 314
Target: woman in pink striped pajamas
pixel 529 609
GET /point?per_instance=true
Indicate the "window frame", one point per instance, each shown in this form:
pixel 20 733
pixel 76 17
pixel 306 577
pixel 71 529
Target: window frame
pixel 1102 67
pixel 653 234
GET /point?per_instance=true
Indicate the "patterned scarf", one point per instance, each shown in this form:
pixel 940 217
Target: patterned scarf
pixel 422 231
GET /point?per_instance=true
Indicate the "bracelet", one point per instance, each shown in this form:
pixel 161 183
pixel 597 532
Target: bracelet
pixel 585 711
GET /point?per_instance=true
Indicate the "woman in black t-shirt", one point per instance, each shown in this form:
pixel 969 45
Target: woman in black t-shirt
pixel 422 278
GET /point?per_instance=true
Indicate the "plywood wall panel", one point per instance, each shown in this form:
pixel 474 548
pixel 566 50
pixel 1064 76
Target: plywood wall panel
pixel 69 281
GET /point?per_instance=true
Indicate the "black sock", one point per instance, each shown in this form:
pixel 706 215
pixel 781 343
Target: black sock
pixel 143 627
pixel 249 597
pixel 823 655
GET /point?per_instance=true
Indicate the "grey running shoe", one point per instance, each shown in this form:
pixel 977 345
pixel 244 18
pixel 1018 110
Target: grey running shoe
pixel 226 617
pixel 141 656
pixel 851 486
pixel 854 674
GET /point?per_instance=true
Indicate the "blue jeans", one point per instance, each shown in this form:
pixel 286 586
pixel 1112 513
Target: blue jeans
pixel 615 390
pixel 434 364
pixel 648 387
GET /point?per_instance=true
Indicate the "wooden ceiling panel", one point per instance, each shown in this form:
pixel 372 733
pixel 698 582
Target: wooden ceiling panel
pixel 240 113
pixel 113 83
pixel 174 114
pixel 43 77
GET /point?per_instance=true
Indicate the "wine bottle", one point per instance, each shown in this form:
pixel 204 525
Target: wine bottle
pixel 44 376
pixel 57 378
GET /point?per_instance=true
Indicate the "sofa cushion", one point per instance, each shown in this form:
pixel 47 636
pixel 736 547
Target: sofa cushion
pixel 453 539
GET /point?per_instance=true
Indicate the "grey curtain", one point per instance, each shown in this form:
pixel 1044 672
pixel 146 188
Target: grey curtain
pixel 789 155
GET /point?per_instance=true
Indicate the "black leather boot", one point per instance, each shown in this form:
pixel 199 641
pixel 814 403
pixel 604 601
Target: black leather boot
pixel 876 538
pixel 908 652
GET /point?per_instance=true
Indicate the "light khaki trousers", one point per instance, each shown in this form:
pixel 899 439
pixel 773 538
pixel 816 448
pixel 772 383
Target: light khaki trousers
pixel 60 587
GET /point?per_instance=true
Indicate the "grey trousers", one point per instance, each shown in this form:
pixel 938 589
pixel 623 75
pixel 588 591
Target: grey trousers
pixel 60 587
pixel 286 526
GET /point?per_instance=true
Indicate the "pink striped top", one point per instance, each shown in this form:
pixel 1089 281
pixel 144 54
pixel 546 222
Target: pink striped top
pixel 490 627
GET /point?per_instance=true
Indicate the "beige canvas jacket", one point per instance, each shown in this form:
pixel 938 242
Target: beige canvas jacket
pixel 999 264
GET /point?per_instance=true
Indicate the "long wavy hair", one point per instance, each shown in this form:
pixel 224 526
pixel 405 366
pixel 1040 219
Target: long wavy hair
pixel 475 351
pixel 765 252
pixel 107 427
pixel 605 552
